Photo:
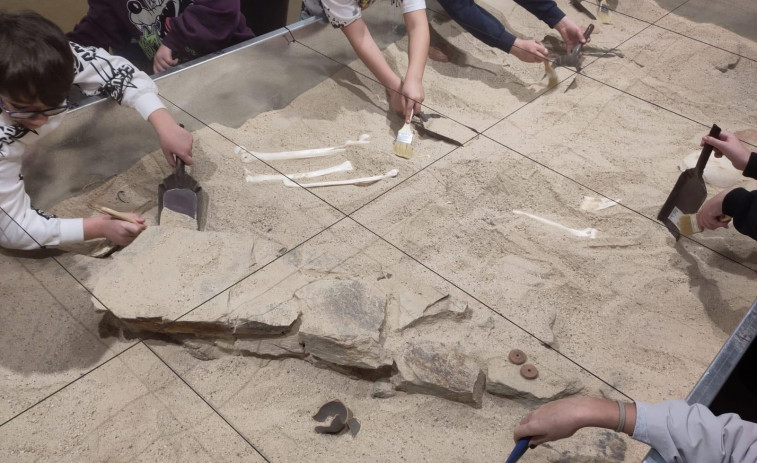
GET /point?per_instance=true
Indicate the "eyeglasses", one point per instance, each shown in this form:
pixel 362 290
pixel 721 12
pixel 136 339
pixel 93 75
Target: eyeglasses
pixel 30 114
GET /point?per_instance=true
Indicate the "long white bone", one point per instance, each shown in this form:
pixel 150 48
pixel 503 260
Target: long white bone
pixel 251 156
pixel 346 166
pixel 353 181
pixel 584 233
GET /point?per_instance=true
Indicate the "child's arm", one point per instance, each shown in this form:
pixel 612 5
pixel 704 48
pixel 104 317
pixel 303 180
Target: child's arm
pixel 206 26
pixel 362 42
pixel 412 89
pixel 117 231
pixel 101 27
pixel 97 72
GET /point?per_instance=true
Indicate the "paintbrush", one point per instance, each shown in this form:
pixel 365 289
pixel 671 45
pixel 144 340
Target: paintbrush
pixel 403 144
pixel 113 213
pixel 549 71
pixel 603 12
pixel 687 224
pixel 577 5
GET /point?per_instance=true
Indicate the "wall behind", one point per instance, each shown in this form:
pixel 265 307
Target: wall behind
pixel 64 13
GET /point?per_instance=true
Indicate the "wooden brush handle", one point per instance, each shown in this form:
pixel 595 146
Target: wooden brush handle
pixel 115 214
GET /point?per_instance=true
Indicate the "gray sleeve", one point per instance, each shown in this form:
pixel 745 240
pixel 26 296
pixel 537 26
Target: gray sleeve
pixel 684 433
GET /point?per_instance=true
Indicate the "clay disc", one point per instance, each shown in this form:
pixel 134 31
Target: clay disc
pixel 517 356
pixel 529 371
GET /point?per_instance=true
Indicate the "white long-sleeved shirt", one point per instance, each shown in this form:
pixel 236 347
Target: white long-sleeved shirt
pixel 95 72
pixel 683 433
pixel 342 13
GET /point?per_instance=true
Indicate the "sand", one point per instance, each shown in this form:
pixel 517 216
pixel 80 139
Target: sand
pixel 628 305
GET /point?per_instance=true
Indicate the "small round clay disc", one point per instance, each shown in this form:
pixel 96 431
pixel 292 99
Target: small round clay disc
pixel 517 356
pixel 529 371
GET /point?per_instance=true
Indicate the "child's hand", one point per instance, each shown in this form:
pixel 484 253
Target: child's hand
pixel 554 420
pixel 118 231
pixel 163 59
pixel 729 145
pixel 708 217
pixel 414 94
pixel 529 51
pixel 572 34
pixel 174 140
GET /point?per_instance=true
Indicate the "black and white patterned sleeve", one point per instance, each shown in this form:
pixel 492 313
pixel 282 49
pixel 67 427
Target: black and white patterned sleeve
pixel 97 72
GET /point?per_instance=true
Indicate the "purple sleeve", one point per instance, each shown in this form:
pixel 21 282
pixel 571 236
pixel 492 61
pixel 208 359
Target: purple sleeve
pixel 207 26
pixel 99 28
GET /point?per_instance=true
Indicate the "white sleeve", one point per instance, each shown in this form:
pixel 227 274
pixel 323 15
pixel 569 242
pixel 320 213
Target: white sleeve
pixel 98 72
pixel 409 6
pixel 21 226
pixel 683 433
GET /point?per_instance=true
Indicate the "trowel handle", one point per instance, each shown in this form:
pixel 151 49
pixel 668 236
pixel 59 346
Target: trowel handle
pixel 519 450
pixel 704 156
pixel 587 33
pixel 179 166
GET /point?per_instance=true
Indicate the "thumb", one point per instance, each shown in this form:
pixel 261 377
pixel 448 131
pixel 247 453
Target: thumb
pixel 132 229
pixel 138 218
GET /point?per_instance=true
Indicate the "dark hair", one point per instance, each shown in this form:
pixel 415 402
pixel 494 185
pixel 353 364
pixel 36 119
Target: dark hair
pixel 36 62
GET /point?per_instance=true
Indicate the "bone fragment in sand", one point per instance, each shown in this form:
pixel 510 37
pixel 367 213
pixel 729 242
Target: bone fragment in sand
pixel 346 166
pixel 584 233
pixel 353 181
pixel 593 204
pixel 251 156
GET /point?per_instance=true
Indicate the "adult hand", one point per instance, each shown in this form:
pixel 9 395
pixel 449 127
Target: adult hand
pixel 121 232
pixel 529 51
pixel 414 94
pixel 572 34
pixel 174 140
pixel 708 217
pixel 554 420
pixel 163 59
pixel 729 145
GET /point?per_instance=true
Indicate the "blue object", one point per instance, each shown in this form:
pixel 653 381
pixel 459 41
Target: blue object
pixel 519 450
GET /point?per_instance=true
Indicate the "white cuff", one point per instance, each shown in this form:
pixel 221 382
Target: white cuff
pixel 71 230
pixel 410 6
pixel 640 430
pixel 148 103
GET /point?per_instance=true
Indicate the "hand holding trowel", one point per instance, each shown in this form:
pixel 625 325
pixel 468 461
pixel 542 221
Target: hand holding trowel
pixel 689 192
pixel 573 59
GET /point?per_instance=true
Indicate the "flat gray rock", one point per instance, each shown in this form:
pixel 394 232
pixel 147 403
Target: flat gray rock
pixel 440 370
pixel 504 379
pixel 342 321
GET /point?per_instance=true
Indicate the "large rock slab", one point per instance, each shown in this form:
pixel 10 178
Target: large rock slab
pixel 504 379
pixel 441 370
pixel 167 271
pixel 342 321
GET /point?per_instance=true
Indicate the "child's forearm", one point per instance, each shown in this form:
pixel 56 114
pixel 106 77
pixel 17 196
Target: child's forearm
pixel 418 34
pixel 368 52
pixel 93 228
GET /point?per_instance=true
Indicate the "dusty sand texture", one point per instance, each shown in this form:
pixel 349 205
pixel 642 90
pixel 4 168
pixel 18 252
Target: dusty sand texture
pixel 172 219
pixel 275 218
pixel 628 306
pixel 645 10
pixel 50 332
pixel 604 302
pixel 734 21
pixel 271 400
pixel 166 271
pixel 335 111
pixel 133 408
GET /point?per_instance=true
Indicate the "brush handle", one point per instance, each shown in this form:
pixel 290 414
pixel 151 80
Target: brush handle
pixel 704 156
pixel 519 450
pixel 115 214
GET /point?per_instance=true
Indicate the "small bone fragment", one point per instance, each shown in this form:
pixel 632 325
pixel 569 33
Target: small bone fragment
pixel 363 181
pixel 343 167
pixel 251 156
pixel 584 233
pixel 591 203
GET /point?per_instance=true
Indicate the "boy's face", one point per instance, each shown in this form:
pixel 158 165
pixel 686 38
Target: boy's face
pixel 35 109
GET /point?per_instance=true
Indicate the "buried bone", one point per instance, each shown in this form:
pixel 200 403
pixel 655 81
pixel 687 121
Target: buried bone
pixel 251 156
pixel 363 181
pixel 583 233
pixel 346 166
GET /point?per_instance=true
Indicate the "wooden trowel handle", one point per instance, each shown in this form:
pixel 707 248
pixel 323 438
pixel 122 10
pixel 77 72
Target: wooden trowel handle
pixel 704 156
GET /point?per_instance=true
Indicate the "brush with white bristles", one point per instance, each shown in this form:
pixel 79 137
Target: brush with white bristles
pixel 603 12
pixel 688 225
pixel 403 144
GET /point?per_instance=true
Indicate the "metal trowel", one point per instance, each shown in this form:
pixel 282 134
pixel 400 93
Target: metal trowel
pixel 179 193
pixel 439 127
pixel 573 59
pixel 689 193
